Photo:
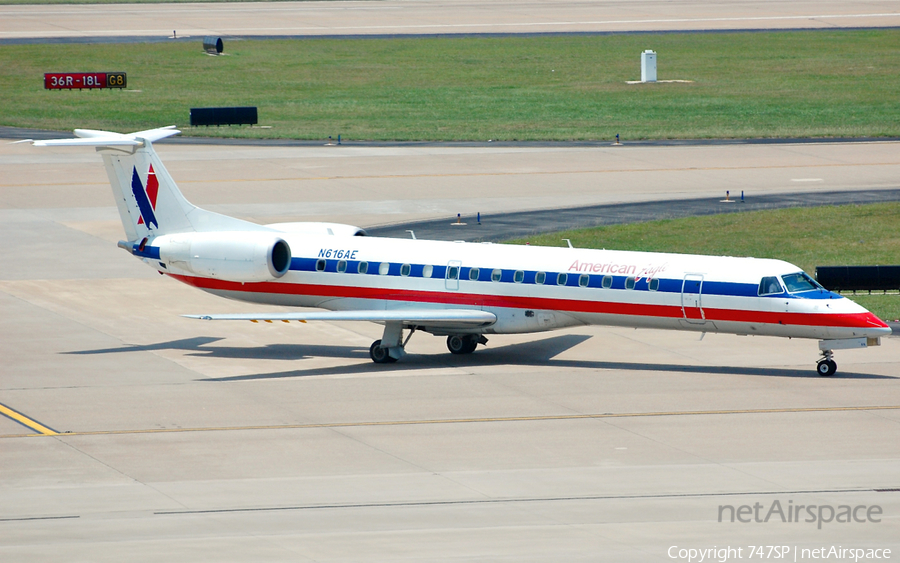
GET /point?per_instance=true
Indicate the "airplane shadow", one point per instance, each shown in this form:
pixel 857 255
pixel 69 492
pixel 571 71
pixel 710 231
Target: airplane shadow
pixel 284 352
pixel 268 352
pixel 185 344
pixel 536 353
pixel 533 353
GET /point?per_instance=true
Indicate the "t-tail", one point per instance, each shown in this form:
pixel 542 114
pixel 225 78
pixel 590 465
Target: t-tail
pixel 149 202
pixel 168 232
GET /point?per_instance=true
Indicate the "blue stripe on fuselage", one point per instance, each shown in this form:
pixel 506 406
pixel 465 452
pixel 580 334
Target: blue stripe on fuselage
pixel 730 289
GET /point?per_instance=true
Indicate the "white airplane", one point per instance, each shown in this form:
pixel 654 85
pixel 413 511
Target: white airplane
pixel 459 290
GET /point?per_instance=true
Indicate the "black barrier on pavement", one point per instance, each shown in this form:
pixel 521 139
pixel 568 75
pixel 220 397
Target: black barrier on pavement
pixel 858 278
pixel 224 116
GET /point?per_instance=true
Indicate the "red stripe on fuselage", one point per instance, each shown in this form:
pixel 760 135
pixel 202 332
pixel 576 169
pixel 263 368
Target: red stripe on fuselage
pixel 842 320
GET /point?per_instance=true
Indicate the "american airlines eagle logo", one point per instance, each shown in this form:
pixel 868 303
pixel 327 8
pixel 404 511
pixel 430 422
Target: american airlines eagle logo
pixel 146 199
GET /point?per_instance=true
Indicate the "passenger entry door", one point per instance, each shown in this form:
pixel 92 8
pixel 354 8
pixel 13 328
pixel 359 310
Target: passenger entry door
pixel 692 298
pixel 451 278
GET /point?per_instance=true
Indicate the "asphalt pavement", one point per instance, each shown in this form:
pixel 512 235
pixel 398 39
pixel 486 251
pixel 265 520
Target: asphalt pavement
pixel 506 226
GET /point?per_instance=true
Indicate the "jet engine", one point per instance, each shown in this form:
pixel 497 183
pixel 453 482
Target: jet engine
pixel 233 256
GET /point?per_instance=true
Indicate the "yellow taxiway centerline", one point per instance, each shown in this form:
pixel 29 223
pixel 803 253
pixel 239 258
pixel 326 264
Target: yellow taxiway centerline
pixel 25 421
pixel 48 432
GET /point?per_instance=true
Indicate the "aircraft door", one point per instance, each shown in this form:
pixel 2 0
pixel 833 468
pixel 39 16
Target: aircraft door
pixel 692 298
pixel 451 278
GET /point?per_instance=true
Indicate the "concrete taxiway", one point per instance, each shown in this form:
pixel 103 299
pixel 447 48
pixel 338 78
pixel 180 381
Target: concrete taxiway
pixel 129 432
pixel 256 19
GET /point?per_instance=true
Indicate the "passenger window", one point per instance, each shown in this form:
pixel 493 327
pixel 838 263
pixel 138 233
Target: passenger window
pixel 496 275
pixel 770 286
pixel 540 278
pixel 320 265
pixel 427 271
pixel 453 272
pixel 654 284
pixel 607 282
pixel 473 274
pixel 405 269
pixel 562 278
pixel 519 276
pixel 342 266
pixel 363 267
pixel 584 280
pixel 384 268
pixel 629 283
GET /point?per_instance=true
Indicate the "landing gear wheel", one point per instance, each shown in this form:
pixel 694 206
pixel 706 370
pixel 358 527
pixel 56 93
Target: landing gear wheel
pixel 826 368
pixel 462 343
pixel 380 354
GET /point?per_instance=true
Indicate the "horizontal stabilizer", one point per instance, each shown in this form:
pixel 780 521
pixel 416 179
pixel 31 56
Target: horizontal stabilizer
pixel 94 138
pixel 92 142
pixel 442 317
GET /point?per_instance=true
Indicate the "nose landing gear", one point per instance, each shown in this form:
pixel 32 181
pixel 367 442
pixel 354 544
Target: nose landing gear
pixel 826 367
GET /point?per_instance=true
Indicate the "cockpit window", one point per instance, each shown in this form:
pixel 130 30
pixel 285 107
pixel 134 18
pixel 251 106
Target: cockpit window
pixel 770 286
pixel 798 282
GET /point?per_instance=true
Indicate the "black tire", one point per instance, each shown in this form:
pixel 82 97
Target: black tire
pixel 826 368
pixel 462 343
pixel 456 344
pixel 380 354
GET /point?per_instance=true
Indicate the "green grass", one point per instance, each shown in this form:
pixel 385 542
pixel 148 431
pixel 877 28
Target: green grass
pixel 785 84
pixel 852 235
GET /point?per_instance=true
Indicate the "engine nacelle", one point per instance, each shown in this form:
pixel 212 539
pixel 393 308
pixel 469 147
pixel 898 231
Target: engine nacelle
pixel 233 256
pixel 312 228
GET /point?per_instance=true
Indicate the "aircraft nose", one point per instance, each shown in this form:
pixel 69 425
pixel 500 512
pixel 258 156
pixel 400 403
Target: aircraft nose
pixel 876 327
pixel 880 331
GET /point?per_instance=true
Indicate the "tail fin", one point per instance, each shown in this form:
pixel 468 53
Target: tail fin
pixel 149 202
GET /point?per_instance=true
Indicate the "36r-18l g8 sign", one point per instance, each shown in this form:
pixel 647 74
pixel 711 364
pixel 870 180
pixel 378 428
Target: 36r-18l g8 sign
pixel 90 80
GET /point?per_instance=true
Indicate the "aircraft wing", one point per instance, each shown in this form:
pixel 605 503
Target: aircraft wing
pixel 458 318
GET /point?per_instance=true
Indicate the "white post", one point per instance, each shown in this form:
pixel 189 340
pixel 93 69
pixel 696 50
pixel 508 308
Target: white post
pixel 648 66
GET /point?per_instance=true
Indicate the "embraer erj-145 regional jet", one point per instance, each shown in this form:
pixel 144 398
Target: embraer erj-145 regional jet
pixel 459 290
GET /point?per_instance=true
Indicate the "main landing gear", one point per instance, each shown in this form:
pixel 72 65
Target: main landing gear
pixel 464 343
pixel 391 346
pixel 826 367
pixel 380 354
